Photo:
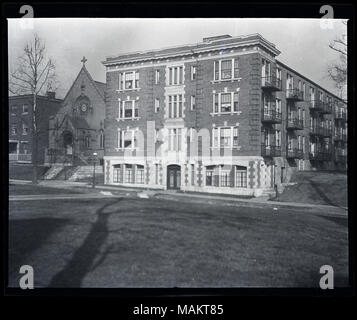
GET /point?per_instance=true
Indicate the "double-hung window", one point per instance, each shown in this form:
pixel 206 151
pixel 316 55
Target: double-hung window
pixel 226 69
pixel 175 139
pixel 139 174
pixel 225 102
pixel 241 177
pixel 175 106
pixel 126 139
pixel 129 80
pixel 225 137
pixel 176 75
pixel 128 109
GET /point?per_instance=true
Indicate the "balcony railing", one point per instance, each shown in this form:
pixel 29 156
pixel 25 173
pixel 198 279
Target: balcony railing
pixel 294 95
pixel 295 153
pixel 270 150
pixel 295 124
pixel 340 137
pixel 341 116
pixel 320 155
pixel 321 107
pixel 271 116
pixel 341 158
pixel 271 83
pixel 320 131
pixel 21 157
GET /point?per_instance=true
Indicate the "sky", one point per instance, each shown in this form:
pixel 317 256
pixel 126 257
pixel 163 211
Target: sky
pixel 303 42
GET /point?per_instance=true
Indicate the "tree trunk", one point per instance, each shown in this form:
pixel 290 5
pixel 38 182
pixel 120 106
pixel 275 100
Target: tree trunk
pixel 34 140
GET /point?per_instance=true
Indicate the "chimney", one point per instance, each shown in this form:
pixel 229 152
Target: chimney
pixel 51 95
pixel 215 38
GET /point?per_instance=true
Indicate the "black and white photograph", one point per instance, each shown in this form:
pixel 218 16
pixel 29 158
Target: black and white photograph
pixel 177 153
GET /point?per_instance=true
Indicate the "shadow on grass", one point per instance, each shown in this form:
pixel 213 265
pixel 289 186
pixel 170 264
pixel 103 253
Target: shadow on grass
pixel 322 194
pixel 26 236
pixel 82 260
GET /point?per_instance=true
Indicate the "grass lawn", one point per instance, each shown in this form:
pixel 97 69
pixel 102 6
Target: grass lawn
pixel 317 187
pixel 131 242
pixel 25 171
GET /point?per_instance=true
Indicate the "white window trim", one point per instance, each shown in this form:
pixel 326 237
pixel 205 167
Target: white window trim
pixel 218 130
pixel 121 111
pixel 177 75
pixel 193 102
pixel 177 104
pixel 122 75
pixel 193 72
pixel 120 144
pixel 25 112
pixel 220 105
pixel 176 140
pixel 220 70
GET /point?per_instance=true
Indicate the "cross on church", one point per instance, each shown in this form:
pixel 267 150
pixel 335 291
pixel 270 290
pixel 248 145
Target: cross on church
pixel 84 60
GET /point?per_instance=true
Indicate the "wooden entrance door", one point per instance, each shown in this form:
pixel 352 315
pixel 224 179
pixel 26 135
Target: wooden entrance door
pixel 173 177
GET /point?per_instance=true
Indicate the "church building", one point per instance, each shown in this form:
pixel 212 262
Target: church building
pixel 76 132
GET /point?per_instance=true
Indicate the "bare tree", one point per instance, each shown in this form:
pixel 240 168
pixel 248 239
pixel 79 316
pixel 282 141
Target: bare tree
pixel 338 70
pixel 34 74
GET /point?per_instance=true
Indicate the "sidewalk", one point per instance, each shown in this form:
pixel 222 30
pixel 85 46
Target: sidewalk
pixel 164 194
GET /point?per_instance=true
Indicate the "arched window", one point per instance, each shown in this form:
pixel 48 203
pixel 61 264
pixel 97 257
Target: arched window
pixel 87 141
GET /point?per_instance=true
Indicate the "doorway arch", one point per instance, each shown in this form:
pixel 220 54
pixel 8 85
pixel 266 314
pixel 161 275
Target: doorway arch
pixel 173 176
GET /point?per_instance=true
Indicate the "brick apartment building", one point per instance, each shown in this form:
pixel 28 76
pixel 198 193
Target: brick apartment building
pixel 20 125
pixel 222 116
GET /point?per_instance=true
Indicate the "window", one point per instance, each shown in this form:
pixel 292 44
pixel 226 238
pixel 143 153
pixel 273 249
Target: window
pixel 175 139
pixel 101 140
pixel 193 72
pixel 266 69
pixel 303 144
pixel 126 139
pixel 157 105
pixel 128 109
pixel 157 76
pixel 129 80
pixel 13 129
pixel 209 176
pixel 241 177
pixel 278 138
pixel 176 75
pixel 25 109
pixel 25 129
pixel 175 106
pixel 193 102
pixel 321 96
pixel 278 73
pixel 289 82
pixel 225 178
pixel 225 137
pixel 117 176
pixel 278 105
pixel 226 69
pixel 290 143
pixel 140 174
pixel 128 173
pixel 87 141
pixel 304 90
pixel 303 117
pixel 13 110
pixel 222 102
pixel 300 85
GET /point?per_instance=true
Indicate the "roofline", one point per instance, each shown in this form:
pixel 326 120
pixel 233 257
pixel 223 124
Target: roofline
pixel 306 78
pixel 29 95
pixel 120 58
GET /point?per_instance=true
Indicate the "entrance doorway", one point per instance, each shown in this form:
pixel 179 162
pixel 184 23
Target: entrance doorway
pixel 67 142
pixel 173 177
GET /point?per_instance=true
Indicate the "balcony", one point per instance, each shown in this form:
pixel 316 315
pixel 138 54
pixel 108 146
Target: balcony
pixel 295 124
pixel 341 116
pixel 320 155
pixel 271 116
pixel 270 150
pixel 321 107
pixel 320 131
pixel 20 157
pixel 294 153
pixel 341 158
pixel 271 83
pixel 294 95
pixel 340 137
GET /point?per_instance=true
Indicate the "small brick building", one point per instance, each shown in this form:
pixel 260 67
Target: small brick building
pixel 222 116
pixel 20 125
pixel 76 132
